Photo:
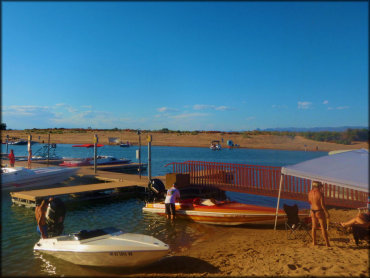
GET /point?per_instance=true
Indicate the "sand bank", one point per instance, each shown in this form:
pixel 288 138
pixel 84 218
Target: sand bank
pixel 189 140
pixel 252 250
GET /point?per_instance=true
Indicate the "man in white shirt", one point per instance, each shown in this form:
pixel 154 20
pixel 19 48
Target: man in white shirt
pixel 173 194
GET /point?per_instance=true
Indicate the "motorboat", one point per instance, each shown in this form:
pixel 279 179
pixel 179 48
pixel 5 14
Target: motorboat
pixel 210 211
pixel 100 160
pixel 17 178
pixel 215 145
pixel 125 145
pixel 108 247
pixel 45 152
pixel 20 142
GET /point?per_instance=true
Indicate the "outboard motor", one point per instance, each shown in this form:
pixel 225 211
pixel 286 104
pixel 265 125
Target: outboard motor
pixel 157 190
pixel 55 215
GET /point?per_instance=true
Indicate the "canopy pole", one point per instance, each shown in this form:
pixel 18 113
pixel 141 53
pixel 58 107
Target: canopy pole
pixel 278 201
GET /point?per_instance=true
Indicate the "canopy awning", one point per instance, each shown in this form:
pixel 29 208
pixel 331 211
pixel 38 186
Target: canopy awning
pixel 347 169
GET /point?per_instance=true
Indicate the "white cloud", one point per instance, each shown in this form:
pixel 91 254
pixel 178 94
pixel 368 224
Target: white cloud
pixel 304 104
pixel 338 108
pixel 24 110
pixel 325 102
pixel 211 107
pixel 166 109
pixel 189 115
pixel 250 118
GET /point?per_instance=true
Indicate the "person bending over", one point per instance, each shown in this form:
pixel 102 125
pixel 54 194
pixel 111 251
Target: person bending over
pixel 319 213
pixel 40 214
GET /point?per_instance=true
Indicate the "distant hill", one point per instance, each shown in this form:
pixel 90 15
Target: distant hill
pixel 315 129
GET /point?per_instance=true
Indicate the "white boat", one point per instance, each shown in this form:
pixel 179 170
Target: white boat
pixel 18 178
pixel 100 160
pixel 215 145
pixel 104 247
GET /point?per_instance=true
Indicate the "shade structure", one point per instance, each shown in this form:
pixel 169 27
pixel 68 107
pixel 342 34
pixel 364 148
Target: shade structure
pixel 347 169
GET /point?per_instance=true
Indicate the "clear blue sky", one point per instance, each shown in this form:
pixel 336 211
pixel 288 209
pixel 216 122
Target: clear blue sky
pixel 227 66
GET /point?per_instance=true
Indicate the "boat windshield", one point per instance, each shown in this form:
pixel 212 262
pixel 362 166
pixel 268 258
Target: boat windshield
pixel 84 234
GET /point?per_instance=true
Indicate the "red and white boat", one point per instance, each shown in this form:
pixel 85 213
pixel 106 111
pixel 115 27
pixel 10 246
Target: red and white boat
pixel 209 211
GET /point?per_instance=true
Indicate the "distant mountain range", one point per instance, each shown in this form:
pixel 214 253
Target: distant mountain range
pixel 314 129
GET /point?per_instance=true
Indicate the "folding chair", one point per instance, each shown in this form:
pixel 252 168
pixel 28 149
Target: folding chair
pixel 293 225
pixel 360 233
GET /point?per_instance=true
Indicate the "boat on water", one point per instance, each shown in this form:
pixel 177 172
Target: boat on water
pixel 87 146
pixel 19 142
pixel 215 145
pixel 230 145
pixel 18 178
pixel 125 145
pixel 100 160
pixel 108 247
pixel 209 211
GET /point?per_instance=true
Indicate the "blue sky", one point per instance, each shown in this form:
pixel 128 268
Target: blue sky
pixel 229 66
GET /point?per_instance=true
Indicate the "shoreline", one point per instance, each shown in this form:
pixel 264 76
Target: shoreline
pixel 201 140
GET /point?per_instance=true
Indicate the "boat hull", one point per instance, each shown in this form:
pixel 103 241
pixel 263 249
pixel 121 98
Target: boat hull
pixel 225 214
pixel 121 258
pixel 116 249
pixel 35 177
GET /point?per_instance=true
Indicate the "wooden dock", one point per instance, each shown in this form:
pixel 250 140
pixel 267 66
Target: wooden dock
pixel 115 184
pixel 87 191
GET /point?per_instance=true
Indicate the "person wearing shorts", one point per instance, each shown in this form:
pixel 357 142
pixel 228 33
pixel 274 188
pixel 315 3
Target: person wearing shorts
pixel 173 194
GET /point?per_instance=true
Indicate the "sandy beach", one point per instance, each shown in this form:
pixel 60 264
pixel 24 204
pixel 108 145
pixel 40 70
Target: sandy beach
pixel 187 140
pixel 253 250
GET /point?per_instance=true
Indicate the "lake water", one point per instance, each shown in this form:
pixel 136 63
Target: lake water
pixel 18 226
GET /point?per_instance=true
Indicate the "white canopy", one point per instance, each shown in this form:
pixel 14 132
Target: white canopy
pixel 347 169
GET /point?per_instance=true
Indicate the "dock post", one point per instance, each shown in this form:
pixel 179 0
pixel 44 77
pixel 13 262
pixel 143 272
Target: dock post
pixel 48 146
pixel 7 140
pixel 95 142
pixel 149 157
pixel 139 133
pixel 29 151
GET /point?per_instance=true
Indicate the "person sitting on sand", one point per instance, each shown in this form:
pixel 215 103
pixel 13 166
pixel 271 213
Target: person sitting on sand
pixel 362 219
pixel 319 212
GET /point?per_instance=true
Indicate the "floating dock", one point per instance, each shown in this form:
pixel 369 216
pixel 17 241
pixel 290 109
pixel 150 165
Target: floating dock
pixel 87 191
pixel 116 183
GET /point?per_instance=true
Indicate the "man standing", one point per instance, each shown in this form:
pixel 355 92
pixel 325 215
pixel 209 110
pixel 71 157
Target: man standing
pixel 11 158
pixel 319 213
pixel 173 194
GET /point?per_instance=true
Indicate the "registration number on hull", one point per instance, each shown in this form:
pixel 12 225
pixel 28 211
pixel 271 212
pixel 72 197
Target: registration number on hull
pixel 120 254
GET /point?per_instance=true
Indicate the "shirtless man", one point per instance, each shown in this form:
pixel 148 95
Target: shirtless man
pixel 40 214
pixel 319 212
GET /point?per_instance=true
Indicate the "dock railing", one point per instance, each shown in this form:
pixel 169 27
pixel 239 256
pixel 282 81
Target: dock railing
pixel 263 180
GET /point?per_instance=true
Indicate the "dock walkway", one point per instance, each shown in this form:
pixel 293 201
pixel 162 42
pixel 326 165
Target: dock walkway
pixel 115 182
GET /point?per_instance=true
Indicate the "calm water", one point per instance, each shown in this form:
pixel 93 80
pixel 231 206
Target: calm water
pixel 18 227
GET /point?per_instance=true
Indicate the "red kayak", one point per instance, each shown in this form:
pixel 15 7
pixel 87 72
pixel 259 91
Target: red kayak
pixel 88 145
